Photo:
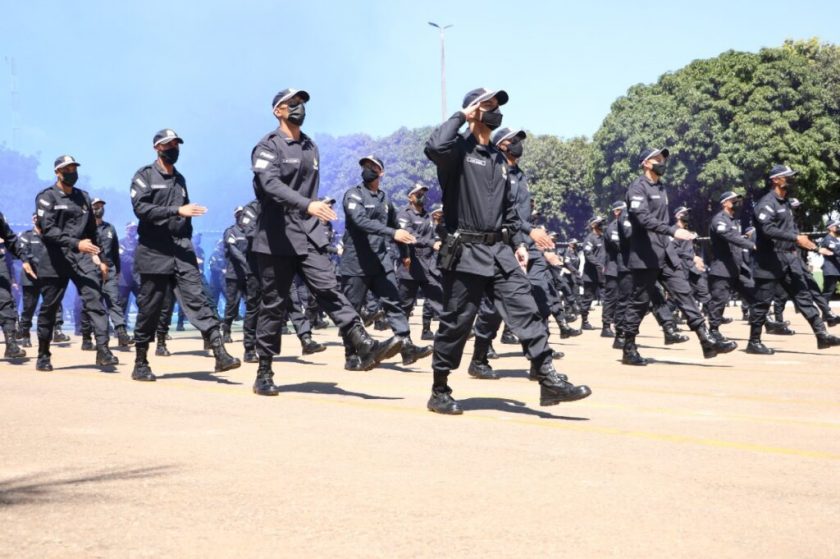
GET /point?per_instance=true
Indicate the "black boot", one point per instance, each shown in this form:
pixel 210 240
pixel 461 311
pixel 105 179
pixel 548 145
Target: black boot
pixel 778 328
pixel 754 345
pixel 555 389
pixel 320 323
pixel 584 324
pixel 491 353
pixel 161 350
pixel 43 362
pixel 142 372
pixel 826 340
pixel 443 403
pixel 375 316
pixel 411 353
pixel 671 334
pixel 479 367
pixel 534 373
pixel 309 346
pixel 630 354
pixel 606 332
pixel 226 335
pixel 25 340
pixel 711 346
pixel 224 360
pixel 104 357
pixel 87 342
pixel 353 362
pixel 427 330
pixel 123 339
pixel 370 352
pixel 264 383
pixel 250 355
pixel 831 319
pixel 59 337
pixel 13 351
pixel 508 337
pixel 381 325
pixel 618 342
pixel 715 333
pixel 566 331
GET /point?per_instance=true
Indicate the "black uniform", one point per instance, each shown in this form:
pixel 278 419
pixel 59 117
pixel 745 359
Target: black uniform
pixel 367 263
pixel 728 270
pixel 237 271
pixel 165 257
pixel 652 256
pixel 593 271
pixel 830 266
pixel 8 310
pixel 248 226
pixel 478 205
pixel 777 262
pixel 217 275
pixel 288 240
pixel 129 280
pixel 64 220
pixel 110 255
pixel 614 269
pixel 422 274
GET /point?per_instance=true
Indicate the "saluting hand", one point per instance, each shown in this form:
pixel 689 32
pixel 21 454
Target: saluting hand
pixel 86 246
pixel 404 237
pixel 191 210
pixel 321 210
pixel 471 111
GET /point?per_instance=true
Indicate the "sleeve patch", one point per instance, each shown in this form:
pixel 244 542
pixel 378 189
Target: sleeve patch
pixel 721 227
pixel 266 155
pixel 762 216
pixel 352 205
pixel 261 164
pixel 139 182
pixel 356 196
pixel 635 204
pixel 246 220
pixel 40 212
pixel 133 193
pixel 44 203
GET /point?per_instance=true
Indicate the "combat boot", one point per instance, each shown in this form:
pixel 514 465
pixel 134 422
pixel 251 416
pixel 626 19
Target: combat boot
pixel 59 337
pixel 224 360
pixel 508 337
pixel 534 373
pixel 226 335
pixel 491 353
pixel 309 346
pixel 442 402
pixel 370 351
pixel 479 367
pixel 554 389
pixel 381 325
pixel 160 349
pixel 104 357
pixel 585 324
pixel 711 346
pixel 264 383
pixel 250 355
pixel 142 372
pixel 123 339
pixel 826 340
pixel 42 363
pixel 13 351
pixel 87 342
pixel 630 353
pixel 607 332
pixel 427 333
pixel 353 363
pixel 671 334
pixel 25 340
pixel 831 319
pixel 411 353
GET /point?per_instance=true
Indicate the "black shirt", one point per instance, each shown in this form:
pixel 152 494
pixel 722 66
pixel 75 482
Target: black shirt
pixel 650 240
pixel 775 237
pixel 728 246
pixel 422 253
pixel 66 219
pixel 370 226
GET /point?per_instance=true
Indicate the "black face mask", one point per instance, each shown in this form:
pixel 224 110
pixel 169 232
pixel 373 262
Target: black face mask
pixel 170 155
pixel 98 213
pixel 658 168
pixel 515 149
pixel 297 114
pixel 492 119
pixel 70 177
pixel 369 175
pixel 420 199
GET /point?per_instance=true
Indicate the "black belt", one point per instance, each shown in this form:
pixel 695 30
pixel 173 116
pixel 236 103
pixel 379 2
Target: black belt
pixel 479 238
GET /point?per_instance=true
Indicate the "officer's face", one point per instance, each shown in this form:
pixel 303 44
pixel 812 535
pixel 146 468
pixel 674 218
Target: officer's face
pixel 373 167
pixel 163 146
pixel 282 110
pixel 650 162
pixel 72 168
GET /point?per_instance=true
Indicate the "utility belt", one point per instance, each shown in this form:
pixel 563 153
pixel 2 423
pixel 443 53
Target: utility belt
pixel 453 244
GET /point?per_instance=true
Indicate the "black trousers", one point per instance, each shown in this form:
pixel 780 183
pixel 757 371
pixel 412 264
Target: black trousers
pixel 432 293
pixel 610 300
pixel 235 290
pixel 829 287
pixel 384 286
pixel 700 287
pixel 675 282
pixel 31 296
pixel 591 290
pixel 252 309
pixel 89 287
pixel 111 297
pixel 276 275
pixel 511 295
pixel 186 285
pixel 721 293
pixel 294 312
pixel 8 308
pixel 792 281
pixel 125 292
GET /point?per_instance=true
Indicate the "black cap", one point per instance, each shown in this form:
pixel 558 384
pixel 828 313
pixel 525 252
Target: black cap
pixel 729 195
pixel 780 171
pixel 97 201
pixel 131 225
pixel 64 161
pixel 503 134
pixel 483 94
pixel 417 188
pixel 238 210
pixel 595 219
pixel 166 135
pixel 286 94
pixel 573 241
pixel 647 153
pixel 618 205
pixel 437 208
pixel 373 159
pixel 795 203
pixel 833 223
pixel 681 211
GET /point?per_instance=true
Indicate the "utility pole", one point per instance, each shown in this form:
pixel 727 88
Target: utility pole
pixel 442 29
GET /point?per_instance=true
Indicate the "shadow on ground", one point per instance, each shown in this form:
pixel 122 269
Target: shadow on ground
pixel 511 406
pixel 332 389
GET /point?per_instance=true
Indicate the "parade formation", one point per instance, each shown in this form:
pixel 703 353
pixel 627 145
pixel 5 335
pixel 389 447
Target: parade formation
pixel 482 261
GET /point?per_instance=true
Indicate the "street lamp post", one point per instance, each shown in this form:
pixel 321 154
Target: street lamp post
pixel 442 29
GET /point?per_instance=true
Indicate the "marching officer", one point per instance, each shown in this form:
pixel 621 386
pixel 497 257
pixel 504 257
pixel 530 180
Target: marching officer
pixel 417 272
pixel 69 233
pixel 236 271
pixel 8 310
pixel 476 257
pixel 593 268
pixel 129 280
pixel 652 258
pixel 367 264
pixel 290 239
pixel 777 262
pixel 614 268
pixel 830 251
pixel 165 257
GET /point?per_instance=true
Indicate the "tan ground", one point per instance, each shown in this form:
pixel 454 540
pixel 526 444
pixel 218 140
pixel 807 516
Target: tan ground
pixel 733 457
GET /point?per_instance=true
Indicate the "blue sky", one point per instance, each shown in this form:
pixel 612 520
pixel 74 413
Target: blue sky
pixel 96 79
